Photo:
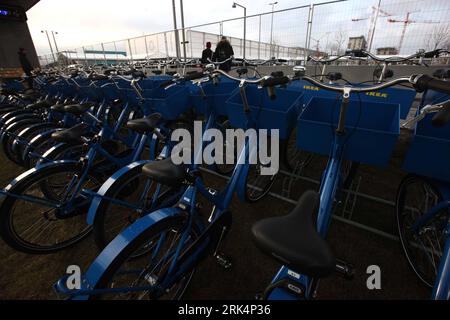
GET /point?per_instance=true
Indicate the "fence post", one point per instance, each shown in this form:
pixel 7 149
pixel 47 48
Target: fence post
pixel 175 28
pixel 190 43
pixel 308 32
pixel 115 49
pixel 146 47
pixel 131 52
pixel 165 44
pixel 204 39
pixel 259 39
pixel 104 55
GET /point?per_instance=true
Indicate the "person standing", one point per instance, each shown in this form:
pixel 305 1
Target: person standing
pixel 26 66
pixel 207 54
pixel 223 51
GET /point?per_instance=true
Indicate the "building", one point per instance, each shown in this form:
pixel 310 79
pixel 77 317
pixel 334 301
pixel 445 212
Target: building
pixel 387 51
pixel 357 43
pixel 14 33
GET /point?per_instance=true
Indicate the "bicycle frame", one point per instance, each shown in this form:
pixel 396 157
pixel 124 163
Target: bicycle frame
pixel 331 180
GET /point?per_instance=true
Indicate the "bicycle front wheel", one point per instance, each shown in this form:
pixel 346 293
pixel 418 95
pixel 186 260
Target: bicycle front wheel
pixel 143 262
pixel 422 247
pixel 125 201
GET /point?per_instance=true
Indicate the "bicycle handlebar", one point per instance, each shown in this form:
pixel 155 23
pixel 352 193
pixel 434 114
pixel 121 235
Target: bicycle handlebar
pixel 442 117
pixel 218 63
pixel 426 82
pixel 360 54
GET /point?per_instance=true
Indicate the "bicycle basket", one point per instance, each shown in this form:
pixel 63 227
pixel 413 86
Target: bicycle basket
pixel 371 129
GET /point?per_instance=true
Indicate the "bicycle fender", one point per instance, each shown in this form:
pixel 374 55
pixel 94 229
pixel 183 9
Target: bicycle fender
pixel 42 136
pixel 32 171
pixel 107 185
pixel 119 243
pixel 48 153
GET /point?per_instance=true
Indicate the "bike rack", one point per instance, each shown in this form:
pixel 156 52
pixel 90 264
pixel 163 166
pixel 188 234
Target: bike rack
pixel 352 192
pixel 351 198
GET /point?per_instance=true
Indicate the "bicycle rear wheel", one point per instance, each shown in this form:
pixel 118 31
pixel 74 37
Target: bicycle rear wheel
pixel 422 248
pixel 293 158
pixel 36 218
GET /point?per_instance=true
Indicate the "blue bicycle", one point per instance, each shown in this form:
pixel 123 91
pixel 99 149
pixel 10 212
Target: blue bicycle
pixel 423 197
pixel 156 256
pixel 364 133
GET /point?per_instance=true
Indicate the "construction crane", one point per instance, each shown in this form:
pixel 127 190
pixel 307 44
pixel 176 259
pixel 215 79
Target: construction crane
pixel 376 12
pixel 406 23
pixel 318 42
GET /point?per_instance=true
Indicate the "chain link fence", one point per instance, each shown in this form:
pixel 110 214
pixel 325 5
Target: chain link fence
pixel 384 27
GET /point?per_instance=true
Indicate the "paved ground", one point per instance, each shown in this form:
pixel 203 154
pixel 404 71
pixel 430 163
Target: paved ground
pixel 31 277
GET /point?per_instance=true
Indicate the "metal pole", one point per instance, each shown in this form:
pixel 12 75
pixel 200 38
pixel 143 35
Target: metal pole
pixel 166 45
pixel 146 47
pixel 271 30
pixel 245 30
pixel 184 31
pixel 104 55
pixel 177 37
pixel 85 57
pixel 190 43
pixel 117 55
pixel 131 52
pixel 259 39
pixel 54 40
pixel 374 26
pixel 308 33
pixel 50 44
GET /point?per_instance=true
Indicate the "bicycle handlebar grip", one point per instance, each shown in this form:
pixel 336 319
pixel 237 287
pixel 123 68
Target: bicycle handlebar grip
pixel 272 82
pixel 193 76
pixel 425 82
pixel 432 54
pixel 442 117
pixel 98 77
pixel 357 53
pixel 166 84
pixel 275 81
pixel 138 74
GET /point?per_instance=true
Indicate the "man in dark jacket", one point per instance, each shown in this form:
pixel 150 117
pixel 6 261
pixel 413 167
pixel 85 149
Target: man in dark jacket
pixel 207 53
pixel 26 65
pixel 224 50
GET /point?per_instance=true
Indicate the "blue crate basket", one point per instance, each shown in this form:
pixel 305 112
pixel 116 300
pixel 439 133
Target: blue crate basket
pixel 265 113
pixel 152 82
pixel 402 96
pixel 429 152
pixel 216 97
pixel 371 142
pixel 171 102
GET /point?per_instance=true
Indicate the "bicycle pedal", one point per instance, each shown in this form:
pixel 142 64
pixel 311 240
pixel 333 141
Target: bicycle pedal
pixel 223 261
pixel 199 206
pixel 345 269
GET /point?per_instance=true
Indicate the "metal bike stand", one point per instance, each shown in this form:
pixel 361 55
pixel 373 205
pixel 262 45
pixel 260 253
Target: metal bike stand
pixel 289 180
pixel 352 203
pixel 351 197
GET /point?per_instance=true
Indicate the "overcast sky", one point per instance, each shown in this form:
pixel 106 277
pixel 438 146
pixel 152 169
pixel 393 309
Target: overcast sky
pixel 85 22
